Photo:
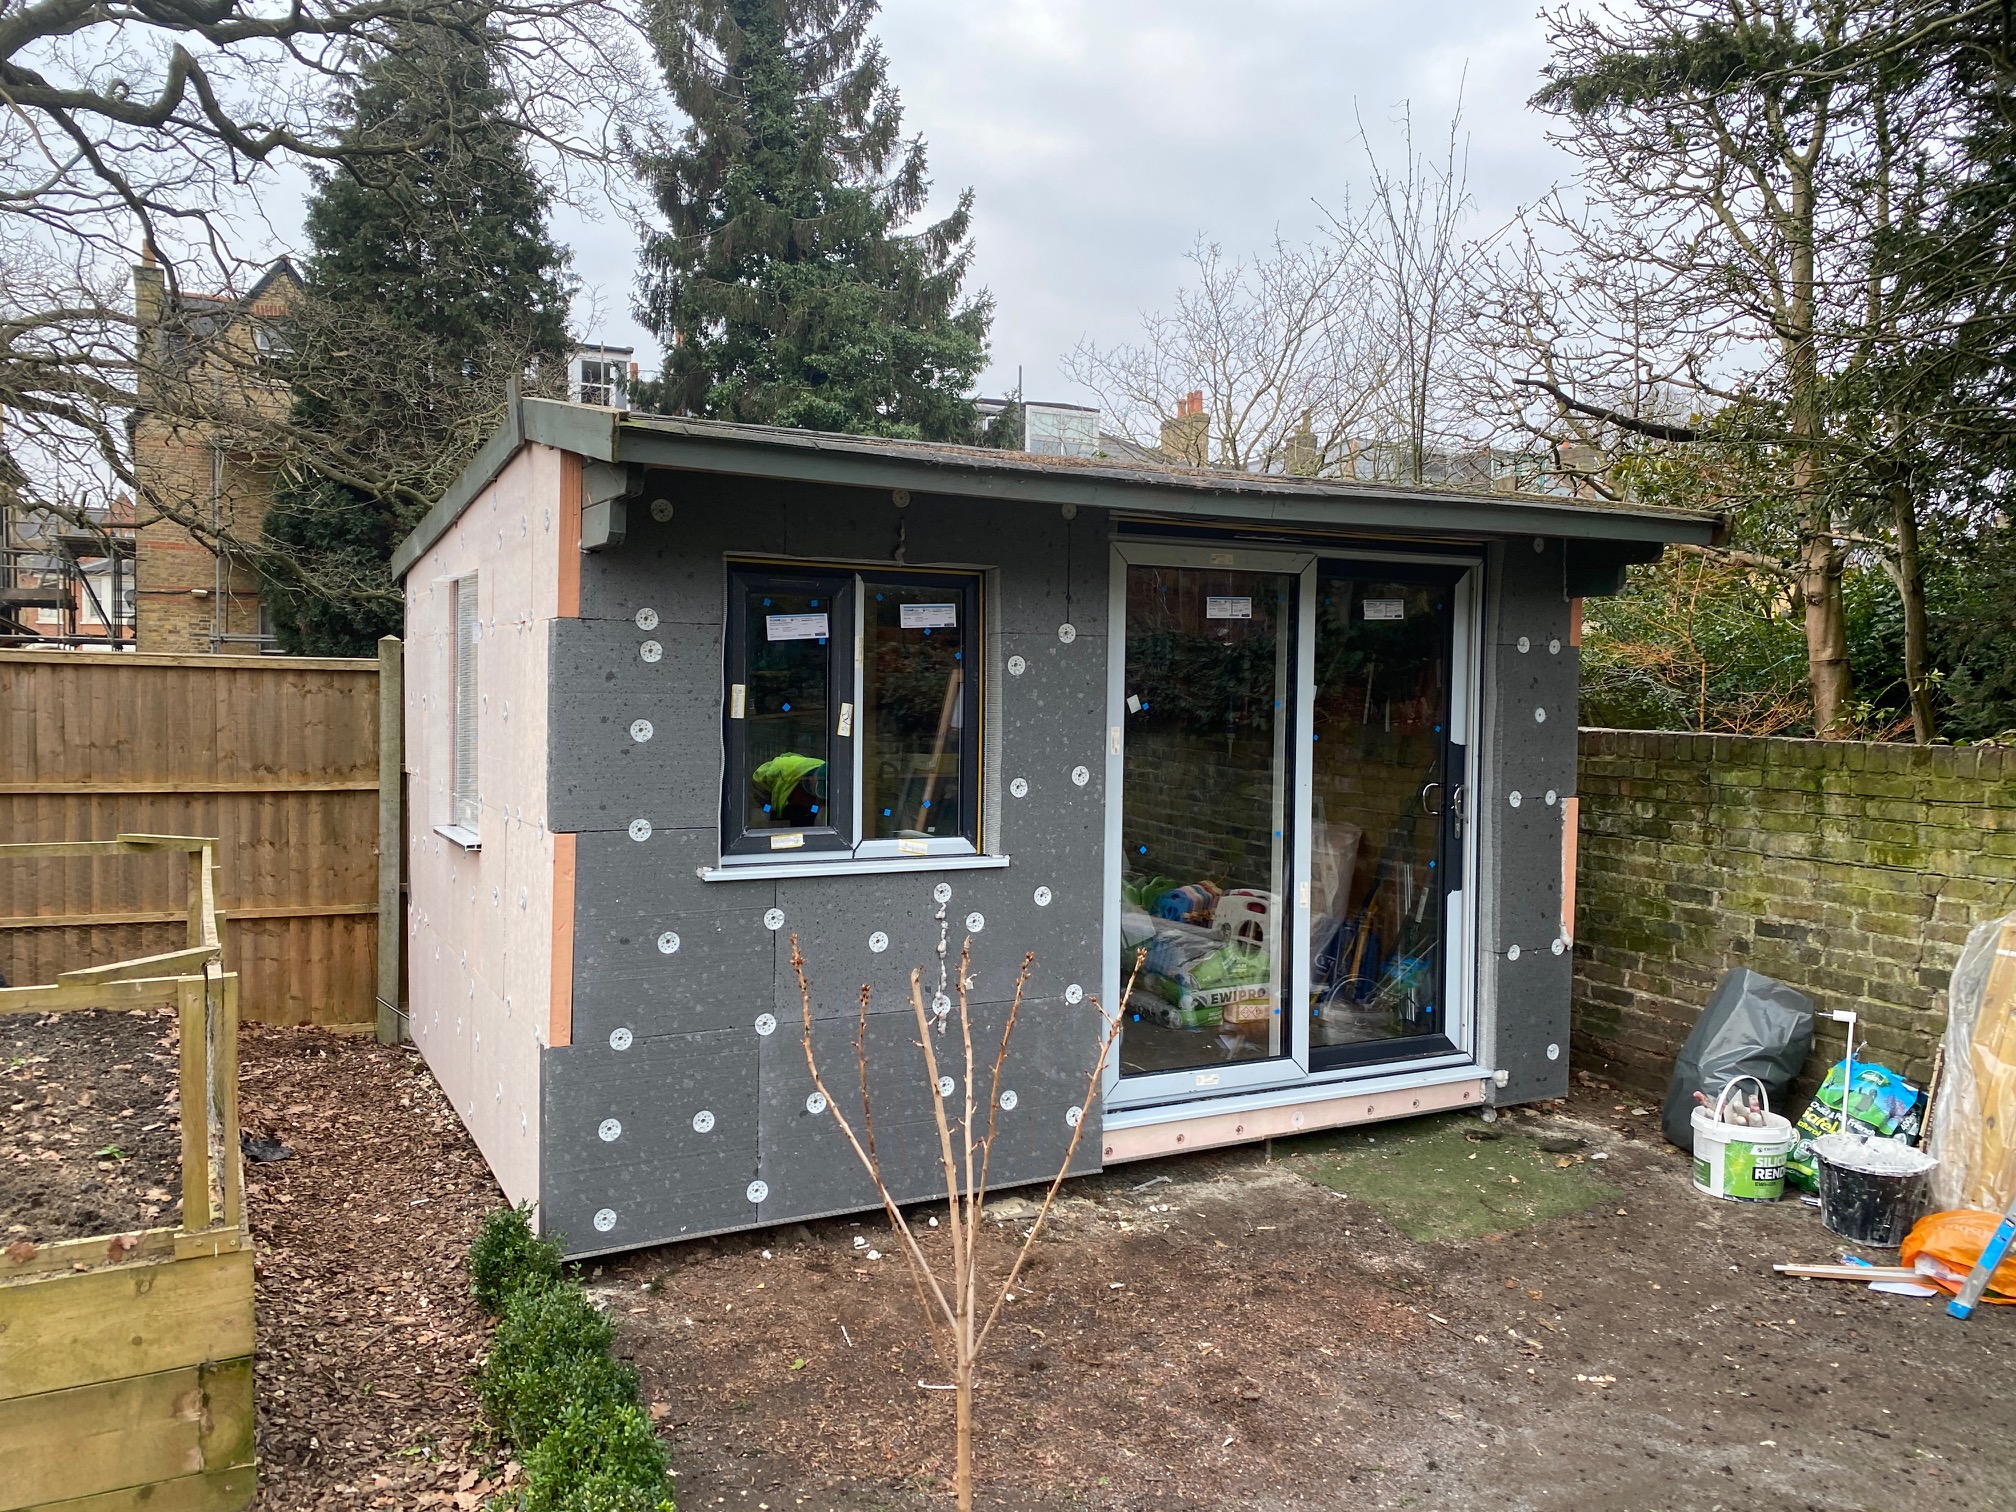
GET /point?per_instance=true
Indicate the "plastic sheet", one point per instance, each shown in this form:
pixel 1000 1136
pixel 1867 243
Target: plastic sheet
pixel 1752 1026
pixel 1974 1114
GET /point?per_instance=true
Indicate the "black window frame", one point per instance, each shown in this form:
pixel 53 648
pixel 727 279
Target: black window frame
pixel 848 672
pixel 838 586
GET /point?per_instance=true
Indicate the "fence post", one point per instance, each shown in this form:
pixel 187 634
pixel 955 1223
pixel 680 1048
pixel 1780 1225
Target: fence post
pixel 391 834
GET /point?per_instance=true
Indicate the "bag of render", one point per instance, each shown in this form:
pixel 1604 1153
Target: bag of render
pixel 1947 1246
pixel 1752 1026
pixel 1973 1118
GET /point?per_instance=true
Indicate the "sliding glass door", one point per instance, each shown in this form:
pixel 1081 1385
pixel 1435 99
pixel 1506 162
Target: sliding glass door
pixel 1287 764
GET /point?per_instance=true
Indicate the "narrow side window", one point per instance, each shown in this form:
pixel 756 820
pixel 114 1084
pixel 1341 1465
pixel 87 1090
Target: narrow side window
pixel 920 724
pixel 465 804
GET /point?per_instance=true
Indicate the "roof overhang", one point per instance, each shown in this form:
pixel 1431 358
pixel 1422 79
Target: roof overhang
pixel 748 451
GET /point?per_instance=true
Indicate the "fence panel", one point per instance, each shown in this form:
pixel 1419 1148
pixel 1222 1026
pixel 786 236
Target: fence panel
pixel 275 756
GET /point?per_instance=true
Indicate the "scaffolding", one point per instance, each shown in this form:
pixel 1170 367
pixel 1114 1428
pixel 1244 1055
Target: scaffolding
pixel 62 585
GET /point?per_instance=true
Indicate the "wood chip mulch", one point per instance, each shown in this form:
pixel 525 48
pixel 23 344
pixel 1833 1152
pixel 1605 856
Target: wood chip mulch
pixel 367 1337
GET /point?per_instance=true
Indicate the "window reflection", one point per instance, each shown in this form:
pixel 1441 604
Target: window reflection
pixel 914 710
pixel 787 699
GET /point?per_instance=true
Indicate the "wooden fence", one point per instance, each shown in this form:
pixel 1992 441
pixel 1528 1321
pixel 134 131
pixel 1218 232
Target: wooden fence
pixel 278 757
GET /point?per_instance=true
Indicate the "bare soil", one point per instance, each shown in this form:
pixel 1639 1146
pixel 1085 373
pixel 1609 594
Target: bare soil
pixel 1248 1333
pixel 90 1128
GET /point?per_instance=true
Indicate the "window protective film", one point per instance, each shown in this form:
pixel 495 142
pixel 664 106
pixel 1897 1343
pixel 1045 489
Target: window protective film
pixel 1205 798
pixel 916 710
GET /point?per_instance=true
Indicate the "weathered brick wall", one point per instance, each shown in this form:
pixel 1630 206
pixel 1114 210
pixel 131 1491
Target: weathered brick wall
pixel 1851 871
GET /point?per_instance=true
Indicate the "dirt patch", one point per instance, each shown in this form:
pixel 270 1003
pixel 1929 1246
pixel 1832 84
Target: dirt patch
pixel 90 1126
pixel 366 1337
pixel 1217 1332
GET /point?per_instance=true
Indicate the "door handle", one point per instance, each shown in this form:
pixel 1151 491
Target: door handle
pixel 1426 789
pixel 1458 806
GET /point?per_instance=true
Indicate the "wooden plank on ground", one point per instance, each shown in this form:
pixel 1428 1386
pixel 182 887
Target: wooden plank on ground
pixel 88 1440
pixel 127 1320
pixel 212 1491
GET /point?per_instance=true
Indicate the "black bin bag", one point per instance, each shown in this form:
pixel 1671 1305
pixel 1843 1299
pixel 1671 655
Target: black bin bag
pixel 1752 1026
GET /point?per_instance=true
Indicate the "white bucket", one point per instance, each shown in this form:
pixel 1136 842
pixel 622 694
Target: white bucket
pixel 1739 1163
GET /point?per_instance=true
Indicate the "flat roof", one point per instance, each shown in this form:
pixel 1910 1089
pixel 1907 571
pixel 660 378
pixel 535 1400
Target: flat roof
pixel 1128 485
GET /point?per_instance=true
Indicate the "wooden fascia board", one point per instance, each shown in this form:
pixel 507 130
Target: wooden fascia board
pixel 1426 513
pixel 494 456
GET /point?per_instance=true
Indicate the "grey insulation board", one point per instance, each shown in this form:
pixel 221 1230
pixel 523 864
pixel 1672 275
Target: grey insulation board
pixel 674 567
pixel 600 774
pixel 808 1164
pixel 661 1177
pixel 629 896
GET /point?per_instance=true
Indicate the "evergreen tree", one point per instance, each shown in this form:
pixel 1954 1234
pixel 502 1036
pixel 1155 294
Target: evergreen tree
pixel 785 290
pixel 431 284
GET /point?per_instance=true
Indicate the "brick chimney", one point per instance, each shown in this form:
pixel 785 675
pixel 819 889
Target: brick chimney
pixel 1186 437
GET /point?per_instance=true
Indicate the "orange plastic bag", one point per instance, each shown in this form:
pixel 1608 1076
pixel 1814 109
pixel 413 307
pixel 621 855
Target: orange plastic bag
pixel 1955 1240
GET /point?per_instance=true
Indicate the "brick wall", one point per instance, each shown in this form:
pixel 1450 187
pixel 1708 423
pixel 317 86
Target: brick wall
pixel 1851 871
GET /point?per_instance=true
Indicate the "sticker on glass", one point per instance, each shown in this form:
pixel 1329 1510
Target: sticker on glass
pixel 910 845
pixel 1228 608
pixel 647 619
pixel 790 627
pixel 927 616
pixel 846 720
pixel 668 943
pixel 738 699
pixel 1133 703
pixel 795 840
pixel 1385 609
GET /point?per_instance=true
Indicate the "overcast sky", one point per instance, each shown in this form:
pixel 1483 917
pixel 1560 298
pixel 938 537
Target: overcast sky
pixel 1101 136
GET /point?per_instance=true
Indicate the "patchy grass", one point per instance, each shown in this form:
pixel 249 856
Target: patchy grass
pixel 1442 1179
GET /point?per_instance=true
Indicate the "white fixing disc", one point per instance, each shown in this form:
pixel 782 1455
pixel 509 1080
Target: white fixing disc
pixel 668 943
pixel 1525 645
pixel 661 510
pixel 975 922
pixel 1017 666
pixel 640 730
pixel 1074 994
pixel 942 892
pixel 651 651
pixel 1539 716
pixel 703 1121
pixel 1513 798
pixel 1512 952
pixel 758 1190
pixel 647 619
pixel 1019 788
pixel 1081 775
pixel 1553 1052
pixel 945 1086
pixel 611 1130
pixel 640 829
pixel 1067 633
pixel 816 1103
pixel 605 1220
pixel 1073 1117
pixel 878 942
pixel 1008 1100
pixel 1042 896
pixel 773 918
pixel 619 1039
pixel 766 1024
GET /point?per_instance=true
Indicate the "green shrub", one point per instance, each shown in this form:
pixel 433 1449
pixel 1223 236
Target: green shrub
pixel 599 1457
pixel 508 1257
pixel 550 1351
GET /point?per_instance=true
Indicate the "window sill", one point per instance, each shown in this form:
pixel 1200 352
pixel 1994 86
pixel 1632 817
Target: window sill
pixel 849 866
pixel 455 834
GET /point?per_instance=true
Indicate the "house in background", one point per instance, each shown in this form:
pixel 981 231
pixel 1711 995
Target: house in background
pixel 189 597
pixel 66 584
pixel 601 375
pixel 678 691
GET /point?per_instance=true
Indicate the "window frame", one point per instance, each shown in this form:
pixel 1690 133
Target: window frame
pixel 465 803
pixel 846 840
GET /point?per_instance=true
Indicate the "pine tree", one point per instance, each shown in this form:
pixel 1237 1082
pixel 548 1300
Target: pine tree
pixel 432 282
pixel 786 290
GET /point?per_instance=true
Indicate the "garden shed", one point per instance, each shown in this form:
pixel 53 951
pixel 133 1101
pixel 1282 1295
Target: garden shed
pixel 678 690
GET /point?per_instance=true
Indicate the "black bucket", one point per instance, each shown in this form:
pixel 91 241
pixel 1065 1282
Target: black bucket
pixel 1867 1208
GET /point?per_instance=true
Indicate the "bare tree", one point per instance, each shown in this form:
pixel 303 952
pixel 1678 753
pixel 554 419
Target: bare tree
pixel 961 1307
pixel 143 127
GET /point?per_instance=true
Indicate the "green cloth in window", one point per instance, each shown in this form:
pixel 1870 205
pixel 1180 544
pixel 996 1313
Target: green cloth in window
pixel 780 775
